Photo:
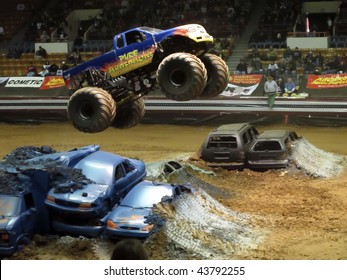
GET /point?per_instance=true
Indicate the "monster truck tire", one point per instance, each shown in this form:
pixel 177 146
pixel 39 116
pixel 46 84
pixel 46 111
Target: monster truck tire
pixel 217 75
pixel 181 76
pixel 130 114
pixel 91 109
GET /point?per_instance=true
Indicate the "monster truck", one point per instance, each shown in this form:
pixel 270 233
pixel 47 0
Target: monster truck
pixel 108 90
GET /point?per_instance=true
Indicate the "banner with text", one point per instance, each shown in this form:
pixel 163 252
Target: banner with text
pixel 249 79
pixel 326 81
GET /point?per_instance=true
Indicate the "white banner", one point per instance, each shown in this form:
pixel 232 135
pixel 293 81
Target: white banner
pixel 29 82
pixel 234 90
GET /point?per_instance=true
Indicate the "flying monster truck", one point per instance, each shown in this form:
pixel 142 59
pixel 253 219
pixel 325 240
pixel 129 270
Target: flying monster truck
pixel 108 90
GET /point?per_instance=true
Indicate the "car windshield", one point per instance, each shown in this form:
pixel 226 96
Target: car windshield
pixel 97 172
pixel 9 205
pixel 222 142
pixel 267 146
pixel 145 197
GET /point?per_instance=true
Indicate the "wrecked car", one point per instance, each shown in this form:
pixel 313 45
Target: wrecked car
pixel 22 209
pixel 75 205
pixel 271 149
pixel 128 219
pixel 226 146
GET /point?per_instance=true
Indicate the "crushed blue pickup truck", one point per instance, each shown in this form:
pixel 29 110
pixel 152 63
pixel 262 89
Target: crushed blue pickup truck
pixel 108 90
pixel 22 209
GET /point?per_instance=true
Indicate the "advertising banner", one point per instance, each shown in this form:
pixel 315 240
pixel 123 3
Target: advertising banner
pixel 326 81
pixel 25 82
pixel 235 90
pixel 53 82
pixel 249 79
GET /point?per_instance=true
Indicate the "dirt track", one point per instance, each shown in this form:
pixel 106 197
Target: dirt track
pixel 299 217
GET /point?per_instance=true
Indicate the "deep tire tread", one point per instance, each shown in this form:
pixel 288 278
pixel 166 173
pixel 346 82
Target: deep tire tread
pixel 196 73
pixel 218 75
pixel 103 103
pixel 130 114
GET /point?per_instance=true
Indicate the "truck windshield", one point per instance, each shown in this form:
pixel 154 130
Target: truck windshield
pixel 9 205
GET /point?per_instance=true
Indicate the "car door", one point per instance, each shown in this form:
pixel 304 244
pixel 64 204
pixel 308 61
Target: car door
pixel 125 178
pixel 135 49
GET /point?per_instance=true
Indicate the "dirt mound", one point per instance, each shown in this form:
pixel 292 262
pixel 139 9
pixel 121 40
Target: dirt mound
pixel 316 162
pixel 198 226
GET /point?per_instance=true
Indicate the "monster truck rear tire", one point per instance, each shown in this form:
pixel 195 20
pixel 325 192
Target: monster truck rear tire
pixel 181 76
pixel 217 75
pixel 91 109
pixel 130 114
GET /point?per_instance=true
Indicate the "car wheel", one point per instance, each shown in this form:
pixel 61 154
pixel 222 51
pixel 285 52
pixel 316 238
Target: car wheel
pixel 130 114
pixel 91 109
pixel 181 76
pixel 217 75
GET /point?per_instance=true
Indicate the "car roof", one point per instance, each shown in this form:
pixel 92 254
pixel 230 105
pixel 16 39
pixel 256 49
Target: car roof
pixel 103 157
pixel 227 128
pixel 273 134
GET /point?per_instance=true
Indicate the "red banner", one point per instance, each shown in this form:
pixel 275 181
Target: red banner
pixel 327 81
pixel 249 79
pixel 53 82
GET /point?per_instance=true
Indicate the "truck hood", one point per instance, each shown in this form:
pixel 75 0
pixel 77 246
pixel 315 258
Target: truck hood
pixel 89 193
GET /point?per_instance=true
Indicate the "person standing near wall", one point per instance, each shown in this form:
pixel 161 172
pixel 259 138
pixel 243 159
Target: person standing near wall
pixel 271 89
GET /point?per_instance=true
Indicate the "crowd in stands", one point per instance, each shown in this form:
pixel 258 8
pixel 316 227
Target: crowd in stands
pixel 290 64
pixel 116 16
pixel 311 62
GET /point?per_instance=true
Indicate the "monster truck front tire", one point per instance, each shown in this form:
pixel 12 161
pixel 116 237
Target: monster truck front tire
pixel 91 109
pixel 217 75
pixel 181 76
pixel 130 114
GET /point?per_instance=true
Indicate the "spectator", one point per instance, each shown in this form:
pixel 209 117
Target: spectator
pixel 64 66
pixel 289 86
pixel 272 70
pixel 75 57
pixel 52 69
pixel 45 69
pixel 288 54
pixel 282 65
pixel 254 53
pixel 271 54
pixel 332 65
pixel 290 67
pixel 271 90
pixel 318 60
pixel 241 68
pixel 257 66
pixel 129 249
pixel 31 70
pixel 44 37
pixel 280 84
pixel 309 65
pixel 41 53
pixel 297 55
